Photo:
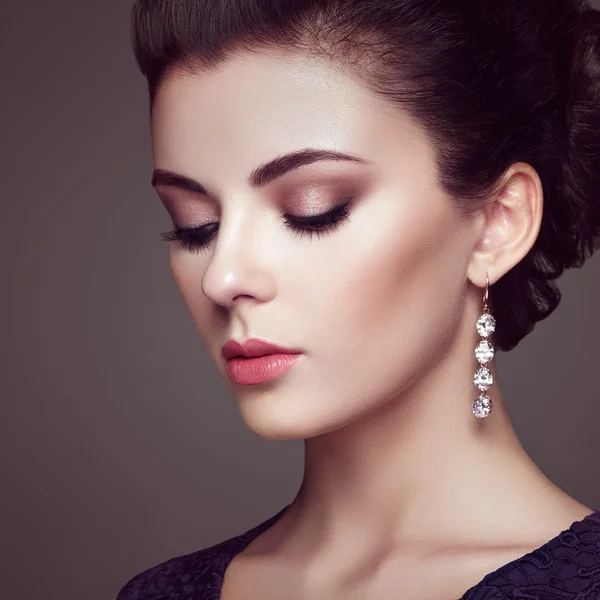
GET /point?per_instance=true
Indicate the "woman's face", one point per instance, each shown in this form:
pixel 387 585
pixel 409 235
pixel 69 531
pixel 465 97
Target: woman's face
pixel 372 302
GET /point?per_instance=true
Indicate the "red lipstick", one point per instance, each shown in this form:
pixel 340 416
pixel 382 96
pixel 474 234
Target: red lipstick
pixel 255 361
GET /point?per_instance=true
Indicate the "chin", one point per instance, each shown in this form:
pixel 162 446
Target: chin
pixel 270 426
pixel 274 419
pixel 276 433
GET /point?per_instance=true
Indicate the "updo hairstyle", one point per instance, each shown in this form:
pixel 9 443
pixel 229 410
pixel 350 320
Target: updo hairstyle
pixel 492 82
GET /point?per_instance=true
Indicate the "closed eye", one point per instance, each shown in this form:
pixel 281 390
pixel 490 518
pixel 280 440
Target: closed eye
pixel 197 239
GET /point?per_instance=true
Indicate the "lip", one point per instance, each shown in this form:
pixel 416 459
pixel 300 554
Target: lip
pixel 255 370
pixel 255 361
pixel 253 347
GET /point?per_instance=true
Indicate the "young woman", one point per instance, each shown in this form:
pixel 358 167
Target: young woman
pixel 370 198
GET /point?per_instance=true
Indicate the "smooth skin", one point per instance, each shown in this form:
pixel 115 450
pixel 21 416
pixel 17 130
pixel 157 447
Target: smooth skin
pixel 404 490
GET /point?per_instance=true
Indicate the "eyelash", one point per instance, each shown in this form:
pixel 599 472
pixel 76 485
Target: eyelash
pixel 197 238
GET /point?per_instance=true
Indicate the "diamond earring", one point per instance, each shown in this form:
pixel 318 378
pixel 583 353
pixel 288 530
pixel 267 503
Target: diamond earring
pixel 484 352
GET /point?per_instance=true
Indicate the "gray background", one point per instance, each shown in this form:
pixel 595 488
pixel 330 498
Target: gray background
pixel 120 445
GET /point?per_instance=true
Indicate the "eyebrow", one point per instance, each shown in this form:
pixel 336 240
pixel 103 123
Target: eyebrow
pixel 263 174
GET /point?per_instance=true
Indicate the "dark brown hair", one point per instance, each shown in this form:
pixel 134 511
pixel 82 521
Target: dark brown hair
pixel 493 82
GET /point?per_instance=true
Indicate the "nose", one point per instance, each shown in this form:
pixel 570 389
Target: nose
pixel 239 266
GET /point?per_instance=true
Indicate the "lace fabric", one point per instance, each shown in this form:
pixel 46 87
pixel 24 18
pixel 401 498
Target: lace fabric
pixel 567 567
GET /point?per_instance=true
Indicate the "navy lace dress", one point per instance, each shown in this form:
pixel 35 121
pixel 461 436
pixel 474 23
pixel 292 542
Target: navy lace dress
pixel 565 568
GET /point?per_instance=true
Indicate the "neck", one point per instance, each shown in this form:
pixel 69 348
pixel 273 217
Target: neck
pixel 421 467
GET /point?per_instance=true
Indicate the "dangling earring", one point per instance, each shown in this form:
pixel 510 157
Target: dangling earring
pixel 484 352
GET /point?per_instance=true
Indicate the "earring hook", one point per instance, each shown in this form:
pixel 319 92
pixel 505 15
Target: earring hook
pixel 486 293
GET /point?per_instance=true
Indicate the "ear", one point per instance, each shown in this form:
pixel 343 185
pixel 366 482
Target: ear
pixel 510 225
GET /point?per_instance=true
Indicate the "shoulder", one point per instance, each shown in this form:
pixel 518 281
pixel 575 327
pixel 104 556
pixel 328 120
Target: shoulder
pixel 198 574
pixel 566 567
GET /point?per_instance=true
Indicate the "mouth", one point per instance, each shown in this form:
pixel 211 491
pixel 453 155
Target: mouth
pixel 254 370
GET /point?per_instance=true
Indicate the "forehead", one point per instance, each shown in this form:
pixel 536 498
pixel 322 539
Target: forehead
pixel 282 90
pixel 256 106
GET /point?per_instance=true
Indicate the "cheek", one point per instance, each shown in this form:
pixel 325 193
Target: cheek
pixel 391 305
pixel 391 280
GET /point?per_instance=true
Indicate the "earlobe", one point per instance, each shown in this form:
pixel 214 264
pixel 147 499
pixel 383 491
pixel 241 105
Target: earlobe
pixel 510 226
